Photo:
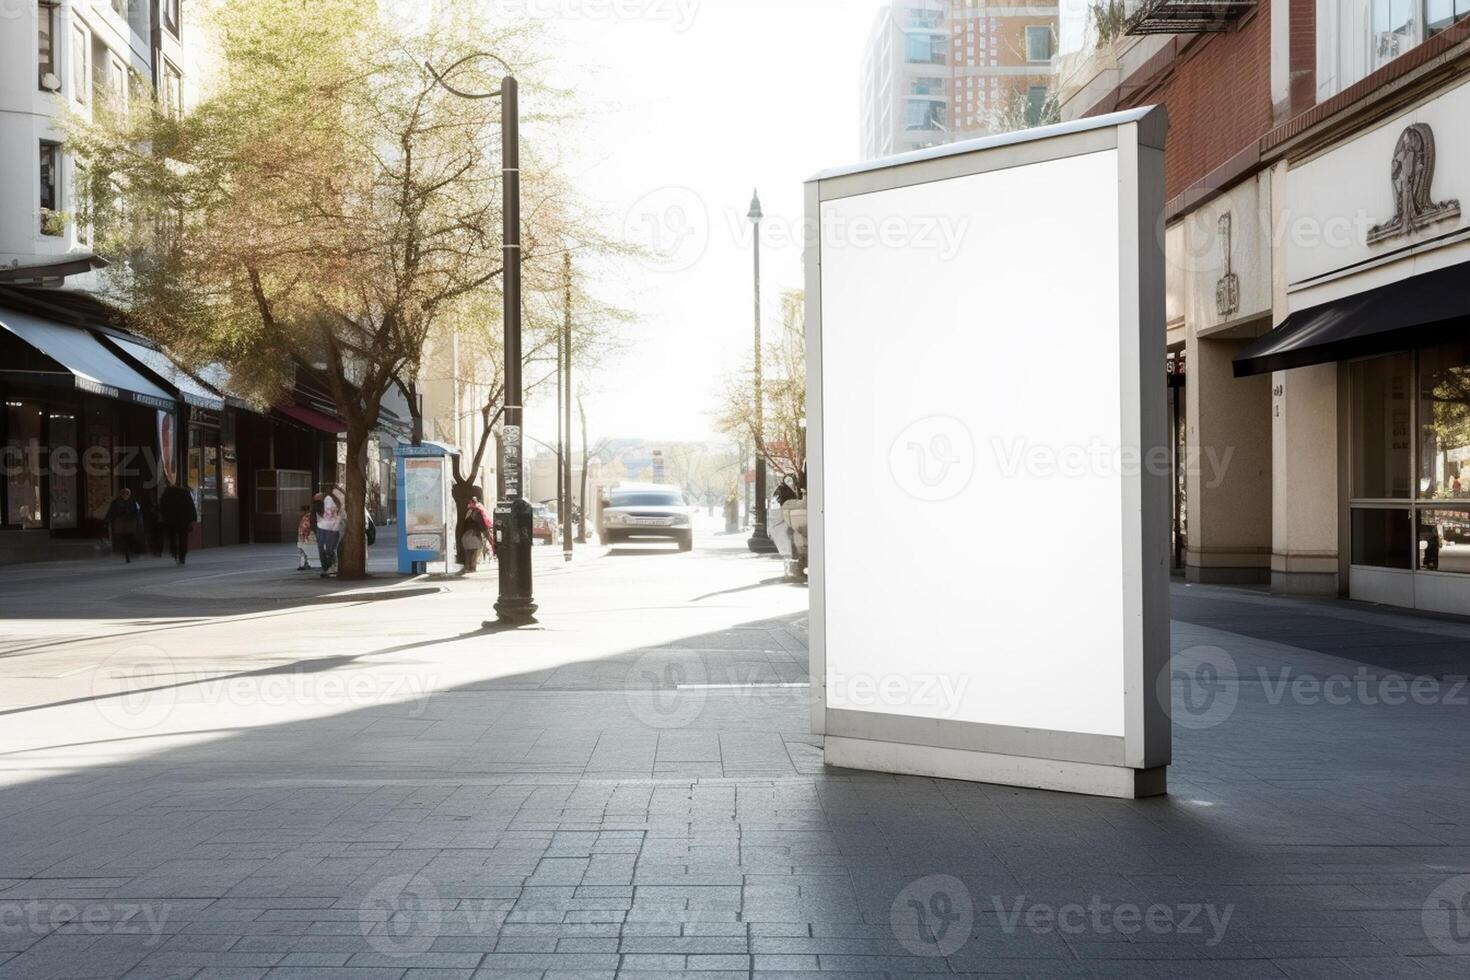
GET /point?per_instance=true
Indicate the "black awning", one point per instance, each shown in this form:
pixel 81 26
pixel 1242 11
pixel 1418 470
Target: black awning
pixel 1433 308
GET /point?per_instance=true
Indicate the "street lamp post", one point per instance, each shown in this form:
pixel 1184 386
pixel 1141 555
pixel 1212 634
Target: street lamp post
pixel 513 514
pixel 564 406
pixel 760 540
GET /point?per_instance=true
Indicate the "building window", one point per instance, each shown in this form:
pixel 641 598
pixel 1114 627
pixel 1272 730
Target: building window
pixel 919 17
pixel 46 46
pixel 1036 108
pixel 117 86
pixel 171 16
pixel 927 86
pixel 81 43
pixel 120 7
pixel 81 193
pixel 173 90
pixel 1038 43
pixel 1394 29
pixel 921 48
pixel 1362 38
pixel 50 199
pixel 1440 15
pixel 1411 443
pixel 924 115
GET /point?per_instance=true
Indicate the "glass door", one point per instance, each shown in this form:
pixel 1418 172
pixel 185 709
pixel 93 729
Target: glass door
pixel 204 480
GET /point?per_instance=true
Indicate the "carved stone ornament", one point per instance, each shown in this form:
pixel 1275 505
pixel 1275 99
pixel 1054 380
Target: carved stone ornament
pixel 1227 290
pixel 1413 178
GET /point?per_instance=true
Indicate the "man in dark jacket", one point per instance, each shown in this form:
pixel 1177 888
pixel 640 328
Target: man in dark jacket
pixel 179 515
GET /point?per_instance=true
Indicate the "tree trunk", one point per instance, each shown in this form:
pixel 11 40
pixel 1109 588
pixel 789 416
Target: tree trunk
pixel 352 558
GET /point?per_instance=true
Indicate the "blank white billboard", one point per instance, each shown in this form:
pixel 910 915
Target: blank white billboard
pixel 987 459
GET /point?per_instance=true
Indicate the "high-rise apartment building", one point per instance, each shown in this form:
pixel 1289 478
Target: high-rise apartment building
pixel 940 70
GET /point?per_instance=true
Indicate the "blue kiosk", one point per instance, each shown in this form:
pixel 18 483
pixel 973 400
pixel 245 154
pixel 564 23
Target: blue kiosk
pixel 426 511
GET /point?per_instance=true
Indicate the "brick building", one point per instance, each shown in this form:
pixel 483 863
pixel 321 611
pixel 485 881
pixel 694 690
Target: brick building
pixel 1318 269
pixel 936 71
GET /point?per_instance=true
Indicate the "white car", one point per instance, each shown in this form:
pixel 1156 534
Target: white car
pixel 646 511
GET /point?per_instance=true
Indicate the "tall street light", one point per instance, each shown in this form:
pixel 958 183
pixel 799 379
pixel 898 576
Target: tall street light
pixel 564 406
pixel 513 514
pixel 760 540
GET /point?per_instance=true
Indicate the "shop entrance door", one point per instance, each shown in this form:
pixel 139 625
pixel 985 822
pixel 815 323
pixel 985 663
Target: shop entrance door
pixel 204 478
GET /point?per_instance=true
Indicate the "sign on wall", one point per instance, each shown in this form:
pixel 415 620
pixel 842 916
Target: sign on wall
pixel 1388 193
pixel 989 554
pixel 168 447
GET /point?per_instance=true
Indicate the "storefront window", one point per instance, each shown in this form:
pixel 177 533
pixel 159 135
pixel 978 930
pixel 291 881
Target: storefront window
pixel 229 460
pixel 1444 540
pixel 98 461
pixel 210 483
pixel 1433 535
pixel 194 477
pixel 1381 538
pixel 1444 422
pixel 23 464
pixel 64 460
pixel 1380 456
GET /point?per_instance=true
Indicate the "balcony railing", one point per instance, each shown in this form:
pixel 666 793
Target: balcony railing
pixel 1187 16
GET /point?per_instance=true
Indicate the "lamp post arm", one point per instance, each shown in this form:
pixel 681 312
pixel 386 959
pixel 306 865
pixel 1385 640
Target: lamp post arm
pixel 440 77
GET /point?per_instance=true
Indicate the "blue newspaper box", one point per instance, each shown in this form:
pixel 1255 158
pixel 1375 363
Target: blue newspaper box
pixel 426 512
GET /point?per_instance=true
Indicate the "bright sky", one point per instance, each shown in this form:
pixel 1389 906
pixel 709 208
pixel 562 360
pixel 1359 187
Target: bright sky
pixel 701 101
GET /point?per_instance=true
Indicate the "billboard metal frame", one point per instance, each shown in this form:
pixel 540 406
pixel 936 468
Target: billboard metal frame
pixel 1135 763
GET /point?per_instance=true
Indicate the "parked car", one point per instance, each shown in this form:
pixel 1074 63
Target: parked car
pixel 646 511
pixel 543 524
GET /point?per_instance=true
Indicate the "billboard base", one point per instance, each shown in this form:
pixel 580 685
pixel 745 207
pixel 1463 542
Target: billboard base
pixel 987 767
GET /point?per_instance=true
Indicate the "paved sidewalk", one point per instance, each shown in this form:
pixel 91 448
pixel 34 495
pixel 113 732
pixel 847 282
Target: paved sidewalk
pixel 630 791
pixel 225 581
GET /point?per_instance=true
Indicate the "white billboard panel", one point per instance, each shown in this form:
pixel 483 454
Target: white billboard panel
pixel 988 462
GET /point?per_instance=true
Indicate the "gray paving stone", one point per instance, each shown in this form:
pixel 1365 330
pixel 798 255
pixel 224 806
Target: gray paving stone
pixel 536 827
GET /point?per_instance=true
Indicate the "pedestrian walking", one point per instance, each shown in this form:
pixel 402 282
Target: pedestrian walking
pixel 474 532
pixel 327 510
pixel 178 513
pixel 305 538
pixel 124 518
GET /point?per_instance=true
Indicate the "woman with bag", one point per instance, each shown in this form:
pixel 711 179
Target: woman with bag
pixel 474 532
pixel 124 518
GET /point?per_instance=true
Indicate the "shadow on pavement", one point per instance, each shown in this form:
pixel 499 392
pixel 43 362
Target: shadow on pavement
pixel 667 801
pixel 219 582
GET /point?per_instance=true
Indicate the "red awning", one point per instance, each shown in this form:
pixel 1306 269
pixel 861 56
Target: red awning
pixel 313 419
